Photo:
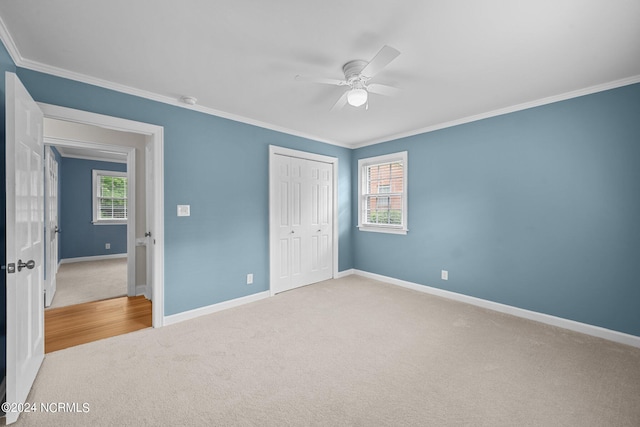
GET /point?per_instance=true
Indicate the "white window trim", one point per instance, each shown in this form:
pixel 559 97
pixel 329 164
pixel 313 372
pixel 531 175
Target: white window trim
pixel 381 228
pixel 94 197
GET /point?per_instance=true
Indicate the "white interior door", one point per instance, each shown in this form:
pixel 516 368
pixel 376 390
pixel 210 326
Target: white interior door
pixel 289 232
pixel 301 222
pixel 25 241
pixel 51 229
pixel 321 223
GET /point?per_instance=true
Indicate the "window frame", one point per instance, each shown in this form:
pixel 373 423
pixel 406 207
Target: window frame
pixel 363 164
pixel 96 174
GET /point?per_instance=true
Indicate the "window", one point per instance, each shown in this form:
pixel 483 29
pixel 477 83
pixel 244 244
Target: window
pixel 109 197
pixel 383 202
pixel 382 186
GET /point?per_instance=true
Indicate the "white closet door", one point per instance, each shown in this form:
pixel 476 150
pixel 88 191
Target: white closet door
pixel 321 224
pixel 287 182
pixel 301 222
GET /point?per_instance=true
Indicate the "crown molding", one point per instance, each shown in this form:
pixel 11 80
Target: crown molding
pixel 512 109
pixel 83 78
pixel 92 158
pixel 22 62
pixel 9 44
pixel 61 143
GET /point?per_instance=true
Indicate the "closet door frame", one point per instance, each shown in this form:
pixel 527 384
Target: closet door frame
pixel 273 227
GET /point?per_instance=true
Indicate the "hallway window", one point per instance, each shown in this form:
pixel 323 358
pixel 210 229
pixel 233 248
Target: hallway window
pixel 109 197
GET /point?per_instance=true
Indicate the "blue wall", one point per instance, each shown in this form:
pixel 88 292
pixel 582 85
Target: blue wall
pixel 538 209
pixel 220 168
pixel 6 64
pixel 78 236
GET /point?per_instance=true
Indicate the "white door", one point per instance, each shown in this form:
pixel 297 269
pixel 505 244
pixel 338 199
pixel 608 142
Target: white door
pixel 301 222
pixel 25 242
pixel 288 232
pixel 321 224
pixel 51 229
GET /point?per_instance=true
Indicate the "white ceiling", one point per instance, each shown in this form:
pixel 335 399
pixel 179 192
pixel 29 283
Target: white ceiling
pixel 69 139
pixel 459 59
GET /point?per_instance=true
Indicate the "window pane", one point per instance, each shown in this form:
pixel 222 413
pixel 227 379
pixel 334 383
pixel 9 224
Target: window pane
pixel 112 197
pixel 384 178
pixel 105 186
pixel 113 209
pixel 383 210
pixel 120 187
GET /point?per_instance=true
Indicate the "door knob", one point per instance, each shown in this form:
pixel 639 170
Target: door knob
pixel 29 264
pixel 292 232
pixel 56 230
pixel 319 230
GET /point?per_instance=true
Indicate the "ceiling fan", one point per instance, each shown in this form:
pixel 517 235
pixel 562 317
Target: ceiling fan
pixel 357 74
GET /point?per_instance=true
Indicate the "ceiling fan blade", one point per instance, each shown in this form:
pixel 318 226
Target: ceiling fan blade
pixel 381 60
pixel 320 80
pixel 382 89
pixel 341 102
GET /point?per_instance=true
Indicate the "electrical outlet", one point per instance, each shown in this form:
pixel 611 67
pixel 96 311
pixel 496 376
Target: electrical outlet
pixel 444 275
pixel 107 245
pixel 250 279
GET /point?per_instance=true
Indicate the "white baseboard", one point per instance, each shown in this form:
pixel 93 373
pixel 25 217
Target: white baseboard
pixel 192 314
pixel 344 273
pixel 92 258
pixel 141 290
pixel 572 325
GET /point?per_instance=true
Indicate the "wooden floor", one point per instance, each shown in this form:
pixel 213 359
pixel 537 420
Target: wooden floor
pixel 82 323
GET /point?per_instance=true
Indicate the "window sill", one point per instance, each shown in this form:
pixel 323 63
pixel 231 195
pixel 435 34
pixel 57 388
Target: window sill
pixel 380 229
pixel 109 222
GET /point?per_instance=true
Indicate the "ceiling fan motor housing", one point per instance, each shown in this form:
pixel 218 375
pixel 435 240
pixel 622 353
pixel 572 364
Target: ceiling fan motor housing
pixel 352 70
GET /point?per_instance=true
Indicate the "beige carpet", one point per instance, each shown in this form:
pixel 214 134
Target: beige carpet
pixel 347 352
pixel 85 281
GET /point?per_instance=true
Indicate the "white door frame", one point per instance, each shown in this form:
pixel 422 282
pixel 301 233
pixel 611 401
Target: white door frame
pixel 51 257
pixel 149 188
pixel 130 152
pixel 276 150
pixel 156 134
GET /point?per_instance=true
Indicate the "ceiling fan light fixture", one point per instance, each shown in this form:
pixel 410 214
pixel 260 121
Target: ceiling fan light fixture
pixel 357 97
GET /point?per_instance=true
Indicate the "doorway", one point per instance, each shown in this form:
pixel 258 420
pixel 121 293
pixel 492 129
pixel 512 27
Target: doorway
pixel 102 210
pixel 98 221
pixel 153 234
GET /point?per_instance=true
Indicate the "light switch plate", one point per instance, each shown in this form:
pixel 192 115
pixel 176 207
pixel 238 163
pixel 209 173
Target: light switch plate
pixel 184 210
